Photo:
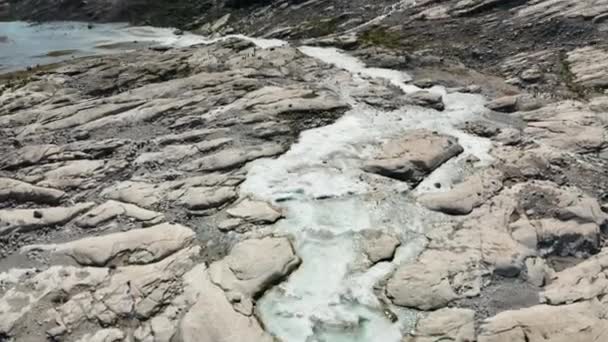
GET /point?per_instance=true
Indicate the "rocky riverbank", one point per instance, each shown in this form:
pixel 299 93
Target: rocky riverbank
pixel 442 177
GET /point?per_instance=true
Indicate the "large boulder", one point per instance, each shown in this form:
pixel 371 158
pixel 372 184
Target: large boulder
pixel 413 156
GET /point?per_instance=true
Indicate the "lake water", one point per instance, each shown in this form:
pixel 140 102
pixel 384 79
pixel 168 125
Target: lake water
pixel 25 44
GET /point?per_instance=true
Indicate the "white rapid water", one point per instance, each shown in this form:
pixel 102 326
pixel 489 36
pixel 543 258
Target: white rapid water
pixel 328 201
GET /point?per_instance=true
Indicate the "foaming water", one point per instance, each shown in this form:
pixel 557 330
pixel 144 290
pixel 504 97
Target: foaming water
pixel 329 201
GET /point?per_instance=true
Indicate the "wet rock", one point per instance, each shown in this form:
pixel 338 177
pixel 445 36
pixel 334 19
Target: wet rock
pixel 426 99
pixel 445 324
pixel 255 212
pixel 465 196
pixel 412 157
pixel 26 220
pixel 379 247
pixel 113 209
pixel 137 246
pixel 14 190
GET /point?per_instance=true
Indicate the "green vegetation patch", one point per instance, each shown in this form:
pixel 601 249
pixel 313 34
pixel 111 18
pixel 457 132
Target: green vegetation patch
pixel 381 36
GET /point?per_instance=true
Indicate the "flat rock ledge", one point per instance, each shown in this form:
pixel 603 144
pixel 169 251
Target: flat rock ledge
pixel 152 274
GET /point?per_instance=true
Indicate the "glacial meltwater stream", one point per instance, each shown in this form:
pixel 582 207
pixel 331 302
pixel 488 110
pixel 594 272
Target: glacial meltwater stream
pixel 327 199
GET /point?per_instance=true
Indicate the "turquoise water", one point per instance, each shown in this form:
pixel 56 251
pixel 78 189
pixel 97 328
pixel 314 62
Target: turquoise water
pixel 25 44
